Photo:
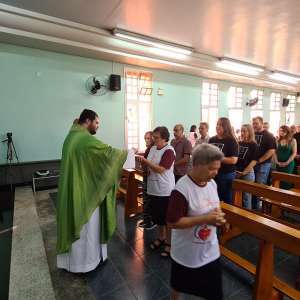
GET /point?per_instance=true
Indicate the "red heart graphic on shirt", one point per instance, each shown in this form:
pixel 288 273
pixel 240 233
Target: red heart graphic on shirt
pixel 204 233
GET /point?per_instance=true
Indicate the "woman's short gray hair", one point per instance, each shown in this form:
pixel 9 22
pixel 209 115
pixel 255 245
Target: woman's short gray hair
pixel 204 154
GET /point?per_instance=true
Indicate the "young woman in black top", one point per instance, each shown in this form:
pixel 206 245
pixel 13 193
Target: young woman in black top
pixel 225 140
pixel 247 160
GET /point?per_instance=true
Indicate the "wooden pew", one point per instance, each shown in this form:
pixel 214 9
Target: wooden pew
pixel 130 191
pixel 284 199
pixel 271 233
pixel 277 177
pixel 290 178
pixel 279 198
pixel 280 176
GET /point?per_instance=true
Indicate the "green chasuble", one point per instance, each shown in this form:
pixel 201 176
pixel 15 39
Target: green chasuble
pixel 89 178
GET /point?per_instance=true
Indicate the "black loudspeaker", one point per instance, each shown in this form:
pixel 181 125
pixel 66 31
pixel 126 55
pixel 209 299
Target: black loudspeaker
pixel 115 82
pixel 285 102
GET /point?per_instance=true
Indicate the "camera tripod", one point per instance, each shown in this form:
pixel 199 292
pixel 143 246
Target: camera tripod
pixel 11 150
pixel 11 154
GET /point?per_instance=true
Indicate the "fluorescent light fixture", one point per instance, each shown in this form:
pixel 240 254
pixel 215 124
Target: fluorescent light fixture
pixel 239 67
pixel 167 53
pixel 284 77
pixel 152 42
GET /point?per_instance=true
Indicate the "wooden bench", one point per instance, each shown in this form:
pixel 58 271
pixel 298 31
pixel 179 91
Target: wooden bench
pixel 282 199
pixel 271 233
pixel 290 178
pixel 130 191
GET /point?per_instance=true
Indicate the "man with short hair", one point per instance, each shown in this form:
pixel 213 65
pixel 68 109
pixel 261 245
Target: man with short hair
pixel 266 148
pixel 193 214
pixel 90 172
pixel 183 150
pixel 203 130
pixel 293 129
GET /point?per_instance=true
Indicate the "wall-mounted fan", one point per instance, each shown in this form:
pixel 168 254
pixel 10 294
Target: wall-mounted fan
pixel 252 102
pixel 97 85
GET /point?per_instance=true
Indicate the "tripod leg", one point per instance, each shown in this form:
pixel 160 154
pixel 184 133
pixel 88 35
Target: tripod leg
pixel 14 151
pixel 9 152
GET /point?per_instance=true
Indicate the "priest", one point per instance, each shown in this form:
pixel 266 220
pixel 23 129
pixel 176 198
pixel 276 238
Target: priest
pixel 86 214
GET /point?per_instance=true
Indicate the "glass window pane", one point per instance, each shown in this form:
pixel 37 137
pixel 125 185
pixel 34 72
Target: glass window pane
pixel 253 94
pixel 205 99
pixel 256 113
pixel 236 118
pixel 138 108
pixel 205 87
pixel 274 121
pixel 290 118
pixel 212 120
pixel 275 100
pixel 204 115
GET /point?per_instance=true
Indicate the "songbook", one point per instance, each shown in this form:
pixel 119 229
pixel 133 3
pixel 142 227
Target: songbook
pixel 130 161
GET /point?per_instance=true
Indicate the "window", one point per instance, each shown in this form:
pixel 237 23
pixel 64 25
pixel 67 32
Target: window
pixel 290 110
pixel 138 107
pixel 257 109
pixel 275 101
pixel 234 101
pixel 209 103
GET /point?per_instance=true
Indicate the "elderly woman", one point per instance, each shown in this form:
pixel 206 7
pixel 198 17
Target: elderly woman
pixel 193 214
pixel 160 183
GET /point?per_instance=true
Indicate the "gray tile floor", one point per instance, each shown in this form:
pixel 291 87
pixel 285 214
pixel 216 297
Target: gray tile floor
pixel 29 272
pixel 134 271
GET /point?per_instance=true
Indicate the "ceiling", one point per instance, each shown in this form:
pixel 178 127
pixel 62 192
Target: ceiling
pixel 261 32
pixel 264 32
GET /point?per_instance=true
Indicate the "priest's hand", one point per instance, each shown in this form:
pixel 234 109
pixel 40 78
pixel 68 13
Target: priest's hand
pixel 135 150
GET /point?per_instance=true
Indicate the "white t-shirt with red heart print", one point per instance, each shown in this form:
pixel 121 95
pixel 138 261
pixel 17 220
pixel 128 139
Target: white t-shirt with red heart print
pixel 197 246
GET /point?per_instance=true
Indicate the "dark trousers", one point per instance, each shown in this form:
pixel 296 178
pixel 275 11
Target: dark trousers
pixel 224 184
pixel 146 200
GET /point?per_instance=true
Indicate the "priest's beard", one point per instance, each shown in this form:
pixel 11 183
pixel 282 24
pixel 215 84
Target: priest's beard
pixel 92 130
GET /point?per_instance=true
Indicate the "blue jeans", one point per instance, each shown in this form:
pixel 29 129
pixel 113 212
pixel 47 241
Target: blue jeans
pixel 224 183
pixel 262 172
pixel 247 197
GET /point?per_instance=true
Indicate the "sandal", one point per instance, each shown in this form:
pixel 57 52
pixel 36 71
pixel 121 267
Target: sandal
pixel 167 250
pixel 156 244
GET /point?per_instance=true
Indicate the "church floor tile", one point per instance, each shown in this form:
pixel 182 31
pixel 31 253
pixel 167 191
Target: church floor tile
pixel 134 271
